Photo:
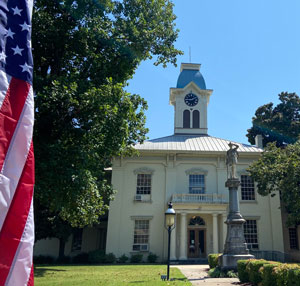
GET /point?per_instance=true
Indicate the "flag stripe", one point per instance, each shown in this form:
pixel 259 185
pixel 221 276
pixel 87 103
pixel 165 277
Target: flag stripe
pixel 10 113
pixel 4 83
pixel 16 218
pixel 16 157
pixel 21 267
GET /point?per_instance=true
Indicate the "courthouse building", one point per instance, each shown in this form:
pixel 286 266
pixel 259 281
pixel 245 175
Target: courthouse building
pixel 187 168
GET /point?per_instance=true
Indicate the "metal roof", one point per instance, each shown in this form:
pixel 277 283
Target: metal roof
pixel 193 143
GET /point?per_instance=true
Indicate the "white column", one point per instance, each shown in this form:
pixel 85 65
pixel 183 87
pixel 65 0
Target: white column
pixel 215 233
pixel 173 245
pixel 224 228
pixel 183 240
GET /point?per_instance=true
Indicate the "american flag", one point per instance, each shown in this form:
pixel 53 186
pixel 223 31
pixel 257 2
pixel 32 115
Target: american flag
pixel 16 149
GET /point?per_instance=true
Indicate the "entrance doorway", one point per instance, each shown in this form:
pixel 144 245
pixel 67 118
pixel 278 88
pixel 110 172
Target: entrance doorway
pixel 196 243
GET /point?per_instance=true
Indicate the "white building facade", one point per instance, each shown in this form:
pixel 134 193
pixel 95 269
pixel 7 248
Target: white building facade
pixel 187 168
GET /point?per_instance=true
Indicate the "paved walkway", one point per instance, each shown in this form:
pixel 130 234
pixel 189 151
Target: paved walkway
pixel 197 274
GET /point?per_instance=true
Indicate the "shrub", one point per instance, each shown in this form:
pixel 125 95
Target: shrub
pixel 123 259
pixel 231 274
pixel 97 256
pixel 242 272
pixel 43 259
pixel 213 260
pixel 253 267
pixel 81 258
pixel 293 278
pixel 214 272
pixel 110 258
pixel 152 258
pixel 218 273
pixel 64 260
pixel 267 274
pixel 282 273
pixel 136 258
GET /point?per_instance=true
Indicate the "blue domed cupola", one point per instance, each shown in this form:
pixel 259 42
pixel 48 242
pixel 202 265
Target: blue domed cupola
pixel 190 99
pixel 190 73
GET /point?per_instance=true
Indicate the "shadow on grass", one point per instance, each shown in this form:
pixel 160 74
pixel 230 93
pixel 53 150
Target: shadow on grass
pixel 41 271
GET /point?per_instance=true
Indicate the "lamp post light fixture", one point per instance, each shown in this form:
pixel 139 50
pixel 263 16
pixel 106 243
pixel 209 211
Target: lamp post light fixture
pixel 169 225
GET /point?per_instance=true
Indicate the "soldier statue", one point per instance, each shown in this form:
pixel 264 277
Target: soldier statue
pixel 231 161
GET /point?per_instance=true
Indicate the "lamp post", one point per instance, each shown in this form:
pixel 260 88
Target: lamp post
pixel 169 225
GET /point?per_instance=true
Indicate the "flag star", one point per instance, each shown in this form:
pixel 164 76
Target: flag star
pixel 2 56
pixel 25 67
pixel 17 11
pixel 9 34
pixel 25 26
pixel 17 50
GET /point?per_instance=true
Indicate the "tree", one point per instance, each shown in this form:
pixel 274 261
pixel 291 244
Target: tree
pixel 84 52
pixel 278 170
pixel 280 124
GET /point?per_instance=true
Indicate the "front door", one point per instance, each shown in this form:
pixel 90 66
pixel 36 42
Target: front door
pixel 196 243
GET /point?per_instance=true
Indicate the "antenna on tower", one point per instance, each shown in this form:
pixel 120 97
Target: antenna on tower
pixel 190 53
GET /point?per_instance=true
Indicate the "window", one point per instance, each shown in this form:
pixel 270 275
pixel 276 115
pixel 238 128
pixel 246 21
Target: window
pixel 186 119
pixel 196 184
pixel 247 188
pixel 196 120
pixel 77 239
pixel 143 186
pixel 141 235
pixel 250 232
pixel 293 238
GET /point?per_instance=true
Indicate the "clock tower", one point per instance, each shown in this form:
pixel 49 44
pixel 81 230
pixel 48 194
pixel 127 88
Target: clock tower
pixel 190 99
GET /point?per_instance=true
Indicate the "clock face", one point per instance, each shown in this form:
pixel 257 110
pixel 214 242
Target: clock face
pixel 191 99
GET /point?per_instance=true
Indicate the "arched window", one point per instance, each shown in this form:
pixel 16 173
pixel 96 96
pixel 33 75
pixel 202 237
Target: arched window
pixel 196 121
pixel 196 220
pixel 186 119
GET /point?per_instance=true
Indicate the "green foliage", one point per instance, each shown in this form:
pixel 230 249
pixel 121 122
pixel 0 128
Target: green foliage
pixel 43 259
pixel 96 257
pixel 293 277
pixel 152 257
pixel 218 273
pixel 267 274
pixel 81 258
pixel 214 272
pixel 136 258
pixel 213 260
pixel 279 169
pixel 84 52
pixel 110 258
pixel 242 272
pixel 123 259
pixel 280 124
pixel 64 259
pixel 252 268
pixel 231 274
pixel 282 273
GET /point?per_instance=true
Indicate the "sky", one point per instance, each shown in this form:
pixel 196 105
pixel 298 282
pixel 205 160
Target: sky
pixel 249 52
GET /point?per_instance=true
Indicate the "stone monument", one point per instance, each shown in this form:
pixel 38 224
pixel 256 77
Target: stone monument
pixel 235 245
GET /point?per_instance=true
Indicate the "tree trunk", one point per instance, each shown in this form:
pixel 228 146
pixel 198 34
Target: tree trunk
pixel 61 253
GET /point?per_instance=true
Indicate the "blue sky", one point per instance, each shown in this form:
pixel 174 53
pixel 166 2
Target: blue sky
pixel 249 52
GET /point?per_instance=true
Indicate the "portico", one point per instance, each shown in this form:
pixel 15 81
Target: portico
pixel 200 230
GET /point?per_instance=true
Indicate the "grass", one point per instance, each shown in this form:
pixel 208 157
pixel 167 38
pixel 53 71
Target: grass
pixel 113 275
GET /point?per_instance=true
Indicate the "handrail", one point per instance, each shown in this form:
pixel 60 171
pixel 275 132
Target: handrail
pixel 199 198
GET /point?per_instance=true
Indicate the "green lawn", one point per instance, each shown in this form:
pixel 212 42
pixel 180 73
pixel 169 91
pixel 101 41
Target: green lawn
pixel 106 275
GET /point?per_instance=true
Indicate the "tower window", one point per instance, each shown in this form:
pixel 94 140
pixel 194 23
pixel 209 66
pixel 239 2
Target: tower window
pixel 196 121
pixel 186 119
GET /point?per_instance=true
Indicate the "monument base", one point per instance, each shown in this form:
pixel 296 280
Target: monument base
pixel 229 261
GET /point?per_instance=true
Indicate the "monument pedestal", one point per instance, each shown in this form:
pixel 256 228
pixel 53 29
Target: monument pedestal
pixel 229 261
pixel 235 246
